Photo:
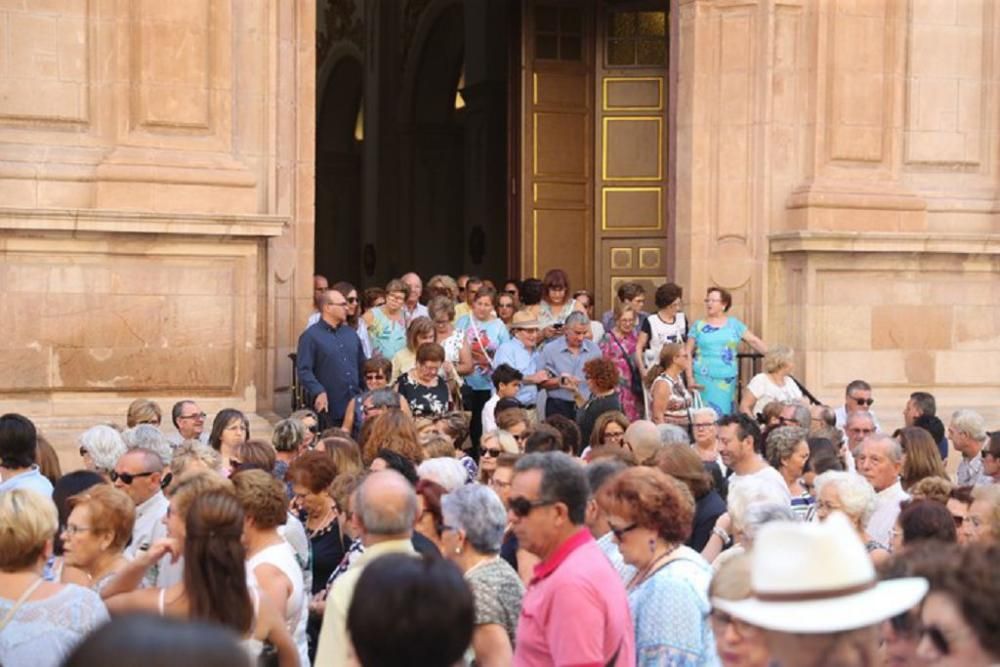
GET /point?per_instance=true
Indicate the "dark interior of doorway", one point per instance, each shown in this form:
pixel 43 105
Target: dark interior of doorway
pixel 430 190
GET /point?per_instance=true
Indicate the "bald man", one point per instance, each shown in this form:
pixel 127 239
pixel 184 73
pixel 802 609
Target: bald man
pixel 413 308
pixel 643 438
pixel 386 509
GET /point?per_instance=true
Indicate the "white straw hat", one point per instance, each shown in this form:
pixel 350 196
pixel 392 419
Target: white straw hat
pixel 816 578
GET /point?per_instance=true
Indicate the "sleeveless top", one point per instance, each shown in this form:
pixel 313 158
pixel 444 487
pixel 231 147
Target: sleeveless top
pixel 661 333
pixel 296 612
pixel 675 390
pixel 251 644
pixel 388 336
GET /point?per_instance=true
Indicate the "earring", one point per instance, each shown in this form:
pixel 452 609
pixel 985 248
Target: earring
pixel 458 550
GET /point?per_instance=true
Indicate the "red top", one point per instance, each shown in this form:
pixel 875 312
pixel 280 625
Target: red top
pixel 575 612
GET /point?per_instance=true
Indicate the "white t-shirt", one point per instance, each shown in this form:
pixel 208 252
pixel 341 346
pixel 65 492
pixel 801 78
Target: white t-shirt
pixel 766 391
pixel 767 476
pixel 660 333
pixel 489 419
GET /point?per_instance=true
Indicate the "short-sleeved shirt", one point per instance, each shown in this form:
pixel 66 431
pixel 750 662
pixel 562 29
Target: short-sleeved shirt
pixel 33 480
pixel 575 611
pixel 424 401
pixel 557 358
pixel 767 476
pixel 484 339
pixel 498 592
pixel 516 355
pixel 766 391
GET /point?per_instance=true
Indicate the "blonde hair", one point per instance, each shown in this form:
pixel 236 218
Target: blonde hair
pixel 990 494
pixel 143 411
pixel 193 451
pixel 506 441
pixel 27 521
pixel 777 357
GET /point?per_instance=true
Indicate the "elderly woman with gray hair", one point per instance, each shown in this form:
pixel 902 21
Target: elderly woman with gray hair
pixel 100 448
pixel 774 384
pixel 788 452
pixel 854 496
pixel 288 437
pixel 474 524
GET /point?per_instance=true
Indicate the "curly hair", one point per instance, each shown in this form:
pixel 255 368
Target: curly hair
pixel 932 488
pixel 781 443
pixel 652 499
pixel 603 373
pixel 111 512
pixel 313 470
pixel 262 497
pixel 395 427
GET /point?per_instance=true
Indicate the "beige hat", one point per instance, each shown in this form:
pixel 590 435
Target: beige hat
pixel 815 578
pixel 524 320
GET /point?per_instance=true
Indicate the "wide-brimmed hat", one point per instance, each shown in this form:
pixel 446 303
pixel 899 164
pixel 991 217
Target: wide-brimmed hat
pixel 814 578
pixel 524 320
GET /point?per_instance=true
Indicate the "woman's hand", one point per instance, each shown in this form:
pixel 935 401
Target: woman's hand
pixel 160 548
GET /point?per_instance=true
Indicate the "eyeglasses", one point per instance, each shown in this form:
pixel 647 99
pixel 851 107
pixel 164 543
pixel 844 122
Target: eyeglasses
pixel 512 292
pixel 614 436
pixel 73 529
pixel 374 376
pixel 522 507
pixel 742 628
pixel 789 420
pixel 197 415
pixel 313 428
pixel 705 425
pixel 520 438
pixel 352 299
pixel 494 453
pixel 127 478
pixel 83 451
pixel 619 533
pixel 863 401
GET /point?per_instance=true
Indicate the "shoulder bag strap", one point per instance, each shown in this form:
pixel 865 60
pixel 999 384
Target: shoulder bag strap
pixel 20 601
pixel 472 323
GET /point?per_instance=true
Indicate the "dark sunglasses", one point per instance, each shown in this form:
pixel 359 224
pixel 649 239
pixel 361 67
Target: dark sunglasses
pixel 788 420
pixel 619 533
pixel 937 638
pixel 314 428
pixel 512 292
pixel 374 376
pixel 83 451
pixel 492 452
pixel 521 507
pixel 352 299
pixel 128 478
pixel 863 401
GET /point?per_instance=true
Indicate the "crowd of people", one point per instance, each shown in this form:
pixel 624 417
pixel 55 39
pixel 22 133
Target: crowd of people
pixel 498 476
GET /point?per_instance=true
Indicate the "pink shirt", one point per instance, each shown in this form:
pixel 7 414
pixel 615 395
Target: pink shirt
pixel 575 611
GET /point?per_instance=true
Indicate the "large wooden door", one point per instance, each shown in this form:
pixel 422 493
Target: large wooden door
pixel 631 126
pixel 557 147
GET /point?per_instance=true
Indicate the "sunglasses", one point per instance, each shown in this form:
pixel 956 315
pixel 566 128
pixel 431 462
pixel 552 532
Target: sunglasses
pixel 314 428
pixel 494 453
pixel 374 376
pixel 83 451
pixel 520 438
pixel 512 292
pixel 522 507
pixel 619 533
pixel 863 401
pixel 128 478
pixel 352 299
pixel 788 420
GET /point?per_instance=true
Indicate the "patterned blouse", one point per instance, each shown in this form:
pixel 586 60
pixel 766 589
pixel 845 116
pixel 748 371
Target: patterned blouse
pixel 424 401
pixel 498 591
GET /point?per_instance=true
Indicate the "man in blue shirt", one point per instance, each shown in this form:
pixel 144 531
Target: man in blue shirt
pixel 330 359
pixel 519 353
pixel 563 359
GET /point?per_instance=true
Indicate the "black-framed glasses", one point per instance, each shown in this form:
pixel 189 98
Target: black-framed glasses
pixel 522 507
pixel 83 451
pixel 197 415
pixel 789 420
pixel 863 401
pixel 512 292
pixel 619 533
pixel 521 437
pixel 127 478
pixel 374 376
pixel 492 452
pixel 614 436
pixel 352 299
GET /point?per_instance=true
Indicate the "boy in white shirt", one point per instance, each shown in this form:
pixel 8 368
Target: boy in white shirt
pixel 507 381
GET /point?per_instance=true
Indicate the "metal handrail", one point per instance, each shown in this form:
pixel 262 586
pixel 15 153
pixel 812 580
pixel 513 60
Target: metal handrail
pixel 298 402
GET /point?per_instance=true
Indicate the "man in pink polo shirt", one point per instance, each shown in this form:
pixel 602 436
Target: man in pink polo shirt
pixel 575 611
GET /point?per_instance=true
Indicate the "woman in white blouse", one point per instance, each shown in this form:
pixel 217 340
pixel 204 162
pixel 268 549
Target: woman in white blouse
pixel 774 384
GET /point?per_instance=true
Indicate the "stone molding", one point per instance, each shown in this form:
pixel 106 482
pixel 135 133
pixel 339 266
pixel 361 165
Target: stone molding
pixel 141 222
pixel 884 242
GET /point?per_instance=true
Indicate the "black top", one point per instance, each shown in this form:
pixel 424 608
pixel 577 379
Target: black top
pixel 508 548
pixel 707 509
pixel 719 480
pixel 594 408
pixel 424 401
pixel 328 548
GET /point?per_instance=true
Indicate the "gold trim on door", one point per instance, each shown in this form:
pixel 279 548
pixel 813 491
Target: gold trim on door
pixel 659 147
pixel 630 79
pixel 636 188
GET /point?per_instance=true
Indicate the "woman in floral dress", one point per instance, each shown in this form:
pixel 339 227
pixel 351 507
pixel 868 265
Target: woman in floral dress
pixel 618 346
pixel 714 341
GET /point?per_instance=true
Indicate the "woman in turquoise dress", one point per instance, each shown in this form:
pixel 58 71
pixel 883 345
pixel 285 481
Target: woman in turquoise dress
pixel 714 342
pixel 386 324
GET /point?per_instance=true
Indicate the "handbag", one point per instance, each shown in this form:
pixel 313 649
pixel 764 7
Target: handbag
pixel 635 382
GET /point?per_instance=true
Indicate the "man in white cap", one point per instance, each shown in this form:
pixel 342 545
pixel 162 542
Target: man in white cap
pixel 815 593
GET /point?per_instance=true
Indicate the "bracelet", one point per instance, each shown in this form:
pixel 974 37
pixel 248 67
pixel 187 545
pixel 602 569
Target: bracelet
pixel 722 535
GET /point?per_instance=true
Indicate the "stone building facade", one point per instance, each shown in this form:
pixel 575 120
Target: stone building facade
pixel 834 163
